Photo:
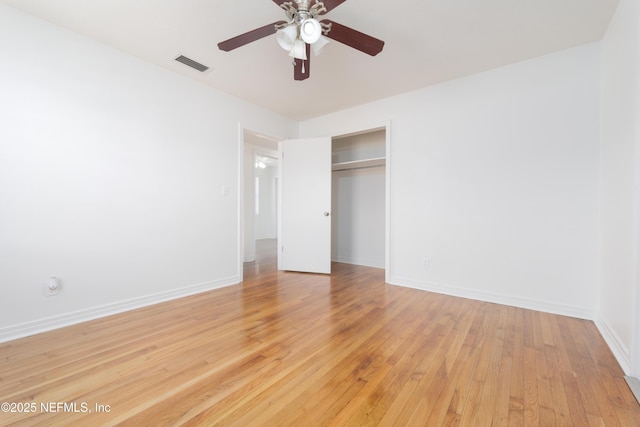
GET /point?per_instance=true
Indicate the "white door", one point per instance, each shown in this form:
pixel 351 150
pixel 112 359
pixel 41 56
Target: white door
pixel 305 205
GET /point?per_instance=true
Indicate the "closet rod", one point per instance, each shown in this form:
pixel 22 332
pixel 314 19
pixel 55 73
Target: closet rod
pixel 359 164
pixel 357 167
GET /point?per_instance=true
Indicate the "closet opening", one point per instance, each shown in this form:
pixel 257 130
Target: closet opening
pixel 359 198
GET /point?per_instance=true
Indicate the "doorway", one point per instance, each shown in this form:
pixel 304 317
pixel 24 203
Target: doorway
pixel 259 196
pixel 359 198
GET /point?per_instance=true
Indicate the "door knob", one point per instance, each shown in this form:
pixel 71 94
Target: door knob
pixel 326 213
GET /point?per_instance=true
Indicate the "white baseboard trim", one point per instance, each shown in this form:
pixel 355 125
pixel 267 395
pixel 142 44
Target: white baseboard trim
pixel 619 350
pixel 55 322
pixel 530 304
pixel 363 262
pixel 634 385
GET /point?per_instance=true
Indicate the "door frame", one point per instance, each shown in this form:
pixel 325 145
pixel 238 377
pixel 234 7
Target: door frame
pixel 386 126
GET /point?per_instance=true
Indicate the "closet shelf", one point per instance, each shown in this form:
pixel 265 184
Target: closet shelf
pixel 359 164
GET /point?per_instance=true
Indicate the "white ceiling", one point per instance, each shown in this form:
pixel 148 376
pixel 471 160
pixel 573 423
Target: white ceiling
pixel 427 42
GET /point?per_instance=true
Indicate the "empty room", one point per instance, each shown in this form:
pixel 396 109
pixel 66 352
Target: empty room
pixel 339 212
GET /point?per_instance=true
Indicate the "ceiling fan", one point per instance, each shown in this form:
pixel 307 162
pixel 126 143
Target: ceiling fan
pixel 303 32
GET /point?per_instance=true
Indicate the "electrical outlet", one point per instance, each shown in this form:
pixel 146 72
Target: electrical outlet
pixel 51 287
pixel 426 263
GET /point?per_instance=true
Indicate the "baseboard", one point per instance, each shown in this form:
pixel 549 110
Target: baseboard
pixel 55 322
pixel 619 350
pixel 634 385
pixel 363 262
pixel 530 304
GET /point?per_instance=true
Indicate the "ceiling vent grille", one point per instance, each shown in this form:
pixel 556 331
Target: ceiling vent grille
pixel 191 63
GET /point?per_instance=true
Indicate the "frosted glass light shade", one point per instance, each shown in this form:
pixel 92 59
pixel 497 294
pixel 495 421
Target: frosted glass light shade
pixel 287 36
pixel 299 50
pixel 319 45
pixel 310 30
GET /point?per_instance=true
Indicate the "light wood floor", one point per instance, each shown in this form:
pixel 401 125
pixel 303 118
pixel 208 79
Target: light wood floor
pixel 299 349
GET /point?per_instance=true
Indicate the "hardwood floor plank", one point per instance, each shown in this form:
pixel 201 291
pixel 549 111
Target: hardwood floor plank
pixel 286 348
pixel 531 403
pixel 359 400
pixel 516 390
pixel 427 368
pixel 383 395
pixel 440 391
pixel 408 371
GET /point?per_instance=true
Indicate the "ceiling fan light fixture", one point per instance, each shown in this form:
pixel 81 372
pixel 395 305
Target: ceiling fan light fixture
pixel 310 30
pixel 303 32
pixel 287 36
pixel 318 46
pixel 299 50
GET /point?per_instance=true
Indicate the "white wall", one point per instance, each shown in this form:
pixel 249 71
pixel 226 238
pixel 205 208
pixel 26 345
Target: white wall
pixel 619 213
pixel 266 219
pixel 358 207
pixel 249 208
pixel 111 177
pixel 494 178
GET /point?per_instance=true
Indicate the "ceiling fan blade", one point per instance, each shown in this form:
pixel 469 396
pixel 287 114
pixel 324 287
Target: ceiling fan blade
pixel 329 4
pixel 301 67
pixel 355 39
pixel 279 2
pixel 249 37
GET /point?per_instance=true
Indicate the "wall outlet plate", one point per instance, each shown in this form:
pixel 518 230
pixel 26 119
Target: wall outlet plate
pixel 51 287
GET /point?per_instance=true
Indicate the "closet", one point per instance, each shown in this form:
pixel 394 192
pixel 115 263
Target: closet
pixel 358 198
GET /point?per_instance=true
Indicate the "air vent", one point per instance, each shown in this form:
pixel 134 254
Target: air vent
pixel 191 63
